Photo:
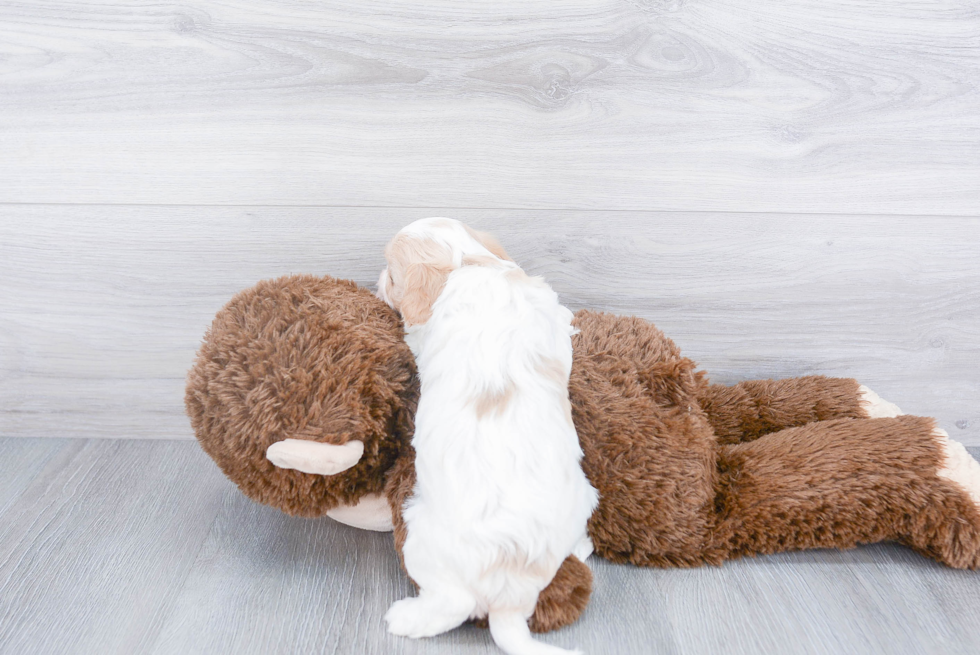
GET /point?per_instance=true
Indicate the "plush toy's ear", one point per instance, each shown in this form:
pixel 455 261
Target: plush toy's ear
pixel 315 456
pixel 489 242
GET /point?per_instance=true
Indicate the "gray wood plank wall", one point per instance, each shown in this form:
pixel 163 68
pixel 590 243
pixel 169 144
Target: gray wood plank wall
pixel 104 306
pixel 786 187
pixel 844 106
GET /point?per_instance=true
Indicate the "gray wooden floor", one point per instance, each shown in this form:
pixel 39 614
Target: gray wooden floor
pixel 135 546
pixel 786 187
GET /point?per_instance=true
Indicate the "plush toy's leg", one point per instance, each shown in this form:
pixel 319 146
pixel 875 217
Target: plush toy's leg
pixel 563 600
pixel 835 484
pixel 751 409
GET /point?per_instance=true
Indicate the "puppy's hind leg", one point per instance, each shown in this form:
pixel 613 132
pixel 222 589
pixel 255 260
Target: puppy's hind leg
pixel 432 612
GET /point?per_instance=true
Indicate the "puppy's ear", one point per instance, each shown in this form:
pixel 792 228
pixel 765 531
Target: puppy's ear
pixel 489 242
pixel 423 267
pixel 423 284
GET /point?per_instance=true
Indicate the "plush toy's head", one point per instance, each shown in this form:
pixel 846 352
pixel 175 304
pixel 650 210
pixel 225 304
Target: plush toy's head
pixel 303 357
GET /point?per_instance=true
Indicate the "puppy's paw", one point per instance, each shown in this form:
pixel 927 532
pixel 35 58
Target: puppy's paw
pixel 415 618
pixel 403 617
pixel 411 617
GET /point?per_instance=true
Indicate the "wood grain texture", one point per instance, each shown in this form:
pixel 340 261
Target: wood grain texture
pixel 268 583
pixel 93 550
pixel 840 106
pixel 141 547
pixel 30 456
pixel 102 308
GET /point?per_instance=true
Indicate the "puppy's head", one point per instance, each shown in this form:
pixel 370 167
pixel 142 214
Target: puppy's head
pixel 421 257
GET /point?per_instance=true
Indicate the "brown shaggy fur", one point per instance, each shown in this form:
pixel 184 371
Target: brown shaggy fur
pixel 688 473
pixel 303 357
pixel 749 410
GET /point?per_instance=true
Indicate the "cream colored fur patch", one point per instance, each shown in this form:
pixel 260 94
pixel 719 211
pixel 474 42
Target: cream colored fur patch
pixel 372 512
pixel 876 406
pixel 314 456
pixel 959 466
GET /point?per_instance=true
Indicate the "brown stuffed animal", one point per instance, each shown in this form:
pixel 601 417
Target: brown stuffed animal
pixel 312 373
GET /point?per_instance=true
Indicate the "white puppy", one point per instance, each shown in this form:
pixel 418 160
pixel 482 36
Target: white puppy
pixel 500 498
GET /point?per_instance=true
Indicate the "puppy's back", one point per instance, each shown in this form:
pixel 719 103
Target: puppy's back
pixel 494 415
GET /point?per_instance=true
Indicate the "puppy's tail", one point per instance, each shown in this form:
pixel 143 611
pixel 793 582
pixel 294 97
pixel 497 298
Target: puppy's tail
pixel 510 632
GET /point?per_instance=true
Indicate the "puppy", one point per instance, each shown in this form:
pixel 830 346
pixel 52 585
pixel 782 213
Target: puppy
pixel 500 498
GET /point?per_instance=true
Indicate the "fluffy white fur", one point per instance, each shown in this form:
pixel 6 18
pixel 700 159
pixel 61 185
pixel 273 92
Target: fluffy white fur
pixel 500 498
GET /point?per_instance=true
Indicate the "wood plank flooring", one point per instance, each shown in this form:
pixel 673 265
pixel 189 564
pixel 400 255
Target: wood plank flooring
pixel 837 106
pixel 98 541
pixel 135 547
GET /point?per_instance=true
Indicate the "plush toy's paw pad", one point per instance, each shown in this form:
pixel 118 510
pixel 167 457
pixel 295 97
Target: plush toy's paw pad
pixel 877 407
pixel 314 456
pixel 415 618
pixel 958 465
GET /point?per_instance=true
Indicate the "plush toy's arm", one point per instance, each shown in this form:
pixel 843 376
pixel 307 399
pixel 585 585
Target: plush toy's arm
pixel 398 488
pixel 751 409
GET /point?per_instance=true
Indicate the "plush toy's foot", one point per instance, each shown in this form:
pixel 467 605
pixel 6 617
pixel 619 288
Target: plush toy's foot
pixel 875 406
pixel 959 466
pixel 427 615
pixel 949 529
pixel 564 599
